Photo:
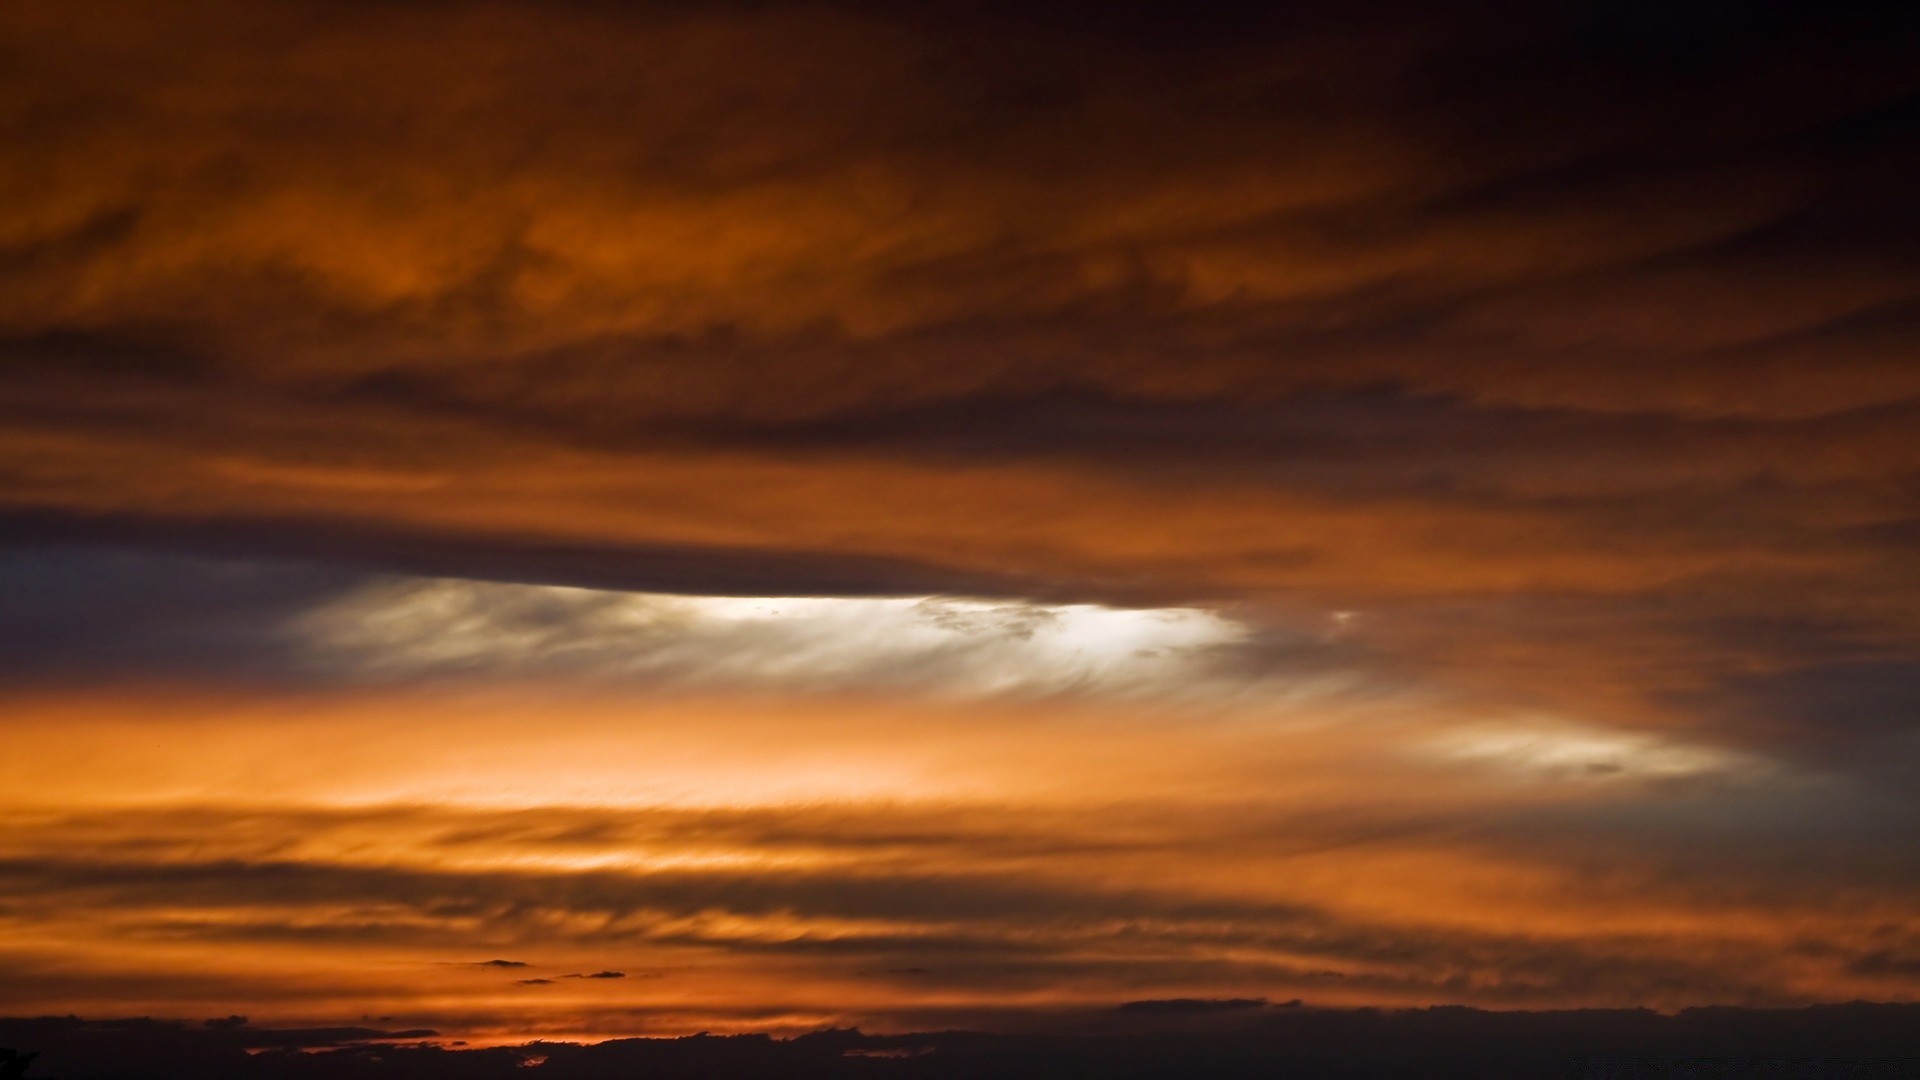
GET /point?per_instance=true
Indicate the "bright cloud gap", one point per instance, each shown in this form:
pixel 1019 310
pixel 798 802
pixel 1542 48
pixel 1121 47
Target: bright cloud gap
pixel 937 645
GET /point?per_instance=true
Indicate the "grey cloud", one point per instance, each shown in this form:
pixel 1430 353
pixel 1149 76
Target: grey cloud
pixel 94 613
pixel 370 550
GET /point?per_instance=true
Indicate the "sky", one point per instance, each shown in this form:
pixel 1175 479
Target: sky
pixel 578 519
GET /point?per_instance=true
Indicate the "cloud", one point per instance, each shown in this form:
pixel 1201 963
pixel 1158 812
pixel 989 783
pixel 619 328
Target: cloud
pixel 1182 1006
pixel 86 613
pixel 1112 253
pixel 1263 464
pixel 795 908
pixel 928 644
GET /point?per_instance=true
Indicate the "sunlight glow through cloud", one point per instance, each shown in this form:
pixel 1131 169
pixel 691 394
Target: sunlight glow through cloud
pixel 939 645
pixel 1545 748
pixel 929 517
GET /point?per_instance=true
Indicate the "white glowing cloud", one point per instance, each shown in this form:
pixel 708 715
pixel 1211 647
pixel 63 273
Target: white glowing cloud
pixel 940 645
pixel 1545 748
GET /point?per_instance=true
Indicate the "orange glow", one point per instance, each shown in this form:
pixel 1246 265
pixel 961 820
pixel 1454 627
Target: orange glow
pixel 749 864
pixel 845 515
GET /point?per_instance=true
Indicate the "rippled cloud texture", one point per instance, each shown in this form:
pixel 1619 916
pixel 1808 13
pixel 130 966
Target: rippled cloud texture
pixel 839 513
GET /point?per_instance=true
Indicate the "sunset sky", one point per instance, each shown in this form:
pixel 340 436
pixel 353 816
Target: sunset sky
pixel 581 518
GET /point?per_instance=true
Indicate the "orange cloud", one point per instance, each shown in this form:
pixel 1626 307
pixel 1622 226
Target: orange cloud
pixel 1513 466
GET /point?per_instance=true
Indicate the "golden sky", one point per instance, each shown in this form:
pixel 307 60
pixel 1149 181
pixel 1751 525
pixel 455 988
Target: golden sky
pixel 846 514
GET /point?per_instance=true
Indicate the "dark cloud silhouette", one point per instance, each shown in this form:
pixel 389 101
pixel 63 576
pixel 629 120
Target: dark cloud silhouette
pixel 1187 1006
pixel 14 1064
pixel 1848 1040
pixel 1183 1006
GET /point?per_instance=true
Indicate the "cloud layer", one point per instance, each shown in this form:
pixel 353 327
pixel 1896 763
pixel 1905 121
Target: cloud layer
pixel 1072 502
